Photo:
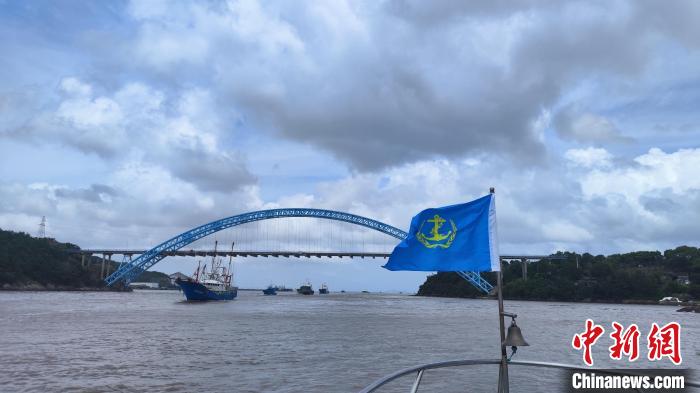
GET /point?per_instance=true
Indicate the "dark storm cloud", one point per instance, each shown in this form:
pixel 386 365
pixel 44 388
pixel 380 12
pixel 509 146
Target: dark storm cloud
pixel 398 117
pixel 422 87
pixel 659 204
pixel 211 172
pixel 573 124
pixel 382 84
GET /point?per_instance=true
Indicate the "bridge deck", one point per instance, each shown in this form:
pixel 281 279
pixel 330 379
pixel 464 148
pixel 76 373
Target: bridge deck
pixel 275 254
pixel 241 253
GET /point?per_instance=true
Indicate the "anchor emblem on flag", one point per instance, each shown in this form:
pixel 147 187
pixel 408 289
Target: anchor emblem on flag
pixel 434 238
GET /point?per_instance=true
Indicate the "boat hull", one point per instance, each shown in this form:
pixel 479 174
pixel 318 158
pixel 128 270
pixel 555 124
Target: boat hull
pixel 270 291
pixel 195 291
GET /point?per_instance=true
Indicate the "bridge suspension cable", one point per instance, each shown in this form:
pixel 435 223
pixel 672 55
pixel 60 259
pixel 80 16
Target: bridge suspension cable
pixel 127 272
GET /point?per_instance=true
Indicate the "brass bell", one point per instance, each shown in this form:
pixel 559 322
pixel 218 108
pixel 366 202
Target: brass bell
pixel 514 338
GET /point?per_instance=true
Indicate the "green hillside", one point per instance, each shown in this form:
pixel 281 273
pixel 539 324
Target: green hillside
pixel 636 276
pixel 29 263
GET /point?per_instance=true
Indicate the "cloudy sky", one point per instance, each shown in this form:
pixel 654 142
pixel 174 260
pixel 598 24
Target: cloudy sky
pixel 125 123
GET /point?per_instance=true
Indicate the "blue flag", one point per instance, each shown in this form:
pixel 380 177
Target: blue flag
pixel 451 238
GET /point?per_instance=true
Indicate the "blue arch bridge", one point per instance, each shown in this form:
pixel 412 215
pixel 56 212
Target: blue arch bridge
pixel 131 267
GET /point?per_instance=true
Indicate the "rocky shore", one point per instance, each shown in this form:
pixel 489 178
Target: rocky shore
pixel 691 308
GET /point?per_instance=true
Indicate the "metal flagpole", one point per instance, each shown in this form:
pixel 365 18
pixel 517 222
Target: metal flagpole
pixel 503 369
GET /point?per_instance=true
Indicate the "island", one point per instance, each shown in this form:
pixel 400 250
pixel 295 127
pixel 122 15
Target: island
pixel 636 277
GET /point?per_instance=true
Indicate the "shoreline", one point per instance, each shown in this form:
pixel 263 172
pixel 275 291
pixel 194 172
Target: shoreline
pixel 623 302
pixel 63 289
pixel 109 289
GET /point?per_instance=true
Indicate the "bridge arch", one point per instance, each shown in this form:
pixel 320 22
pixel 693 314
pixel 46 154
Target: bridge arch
pixel 129 271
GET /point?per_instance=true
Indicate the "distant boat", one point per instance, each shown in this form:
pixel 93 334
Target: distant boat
pixel 323 290
pixel 270 290
pixel 305 289
pixel 214 284
pixel 670 300
pixel 365 291
pixel 282 288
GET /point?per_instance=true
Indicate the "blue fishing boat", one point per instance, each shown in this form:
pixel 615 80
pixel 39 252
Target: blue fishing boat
pixel 207 290
pixel 270 290
pixel 214 284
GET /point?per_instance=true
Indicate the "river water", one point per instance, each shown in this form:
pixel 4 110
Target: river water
pixel 152 341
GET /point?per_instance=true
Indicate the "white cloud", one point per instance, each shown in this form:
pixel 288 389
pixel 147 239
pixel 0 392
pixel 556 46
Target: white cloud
pixel 139 100
pixel 194 34
pixel 678 171
pixel 585 207
pixel 589 157
pixel 163 50
pixel 100 112
pixel 181 135
pixel 557 230
pixel 73 86
pixel 257 26
pixel 140 204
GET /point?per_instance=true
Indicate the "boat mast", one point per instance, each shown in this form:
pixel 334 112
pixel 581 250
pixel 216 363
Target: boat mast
pixel 213 260
pixel 230 259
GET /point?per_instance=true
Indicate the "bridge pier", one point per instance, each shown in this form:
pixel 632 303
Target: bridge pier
pixel 102 270
pixel 109 266
pixel 524 266
pixel 82 260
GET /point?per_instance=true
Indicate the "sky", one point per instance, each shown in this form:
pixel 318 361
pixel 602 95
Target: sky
pixel 126 123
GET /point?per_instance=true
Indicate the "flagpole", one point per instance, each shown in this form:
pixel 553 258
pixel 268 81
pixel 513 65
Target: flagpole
pixel 503 385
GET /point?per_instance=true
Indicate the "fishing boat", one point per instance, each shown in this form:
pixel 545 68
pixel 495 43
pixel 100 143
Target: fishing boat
pixel 270 290
pixel 323 290
pixel 305 289
pixel 212 284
